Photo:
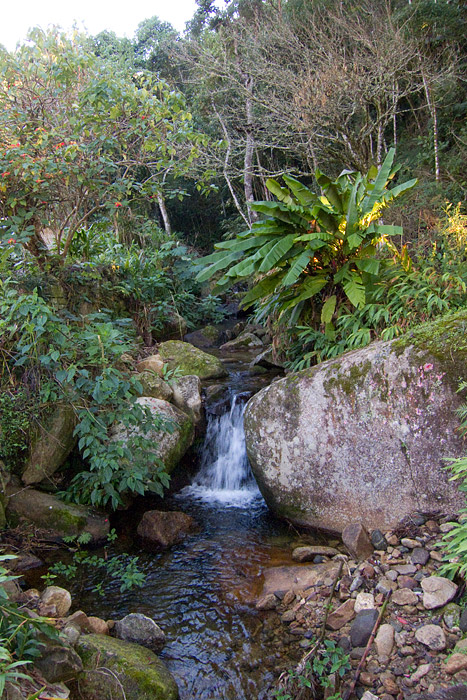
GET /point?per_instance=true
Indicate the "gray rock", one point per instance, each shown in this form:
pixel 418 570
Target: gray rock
pixel 244 341
pixel 463 621
pixel 451 615
pixel 437 591
pixel 362 627
pixel 154 386
pixel 357 541
pixel 187 396
pixel 404 596
pixel 419 556
pixel 58 663
pixel 319 443
pixel 59 597
pixel 378 540
pixel 454 693
pixel 432 636
pixel 139 629
pixel 384 640
pixel 308 553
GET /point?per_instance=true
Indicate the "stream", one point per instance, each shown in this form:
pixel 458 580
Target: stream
pixel 202 592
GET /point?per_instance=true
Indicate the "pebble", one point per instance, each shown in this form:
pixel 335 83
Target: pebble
pixel 447 527
pixel 404 596
pixel 385 585
pixel 419 556
pixel 341 616
pixel 364 601
pixel 431 636
pixel 455 663
pixel 420 673
pixel 437 591
pixel 378 540
pixel 384 641
pixel 409 543
pixel 362 627
pixel 406 569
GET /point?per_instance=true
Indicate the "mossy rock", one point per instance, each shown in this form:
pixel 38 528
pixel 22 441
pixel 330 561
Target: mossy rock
pixel 51 445
pixel 154 386
pixel 365 437
pixel 190 360
pixel 49 512
pixel 112 665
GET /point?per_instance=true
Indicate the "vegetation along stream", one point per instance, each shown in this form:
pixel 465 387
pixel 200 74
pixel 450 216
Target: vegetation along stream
pixel 202 591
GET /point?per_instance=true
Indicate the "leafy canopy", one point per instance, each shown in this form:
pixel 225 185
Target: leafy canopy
pixel 311 247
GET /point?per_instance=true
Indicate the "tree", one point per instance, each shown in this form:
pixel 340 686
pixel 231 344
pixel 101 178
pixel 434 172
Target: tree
pixel 79 138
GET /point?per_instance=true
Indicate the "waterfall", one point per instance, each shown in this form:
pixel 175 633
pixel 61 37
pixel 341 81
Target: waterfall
pixel 225 474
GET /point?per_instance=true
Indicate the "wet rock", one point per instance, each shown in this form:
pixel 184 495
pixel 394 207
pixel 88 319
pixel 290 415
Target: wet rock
pixel 58 597
pixel 455 693
pixel 431 636
pixel 267 602
pixel 165 528
pixel 61 519
pixel 357 541
pixel 419 556
pixel 404 596
pixel 190 360
pixel 340 617
pixel 187 396
pixel 362 627
pixel 308 553
pixel 207 337
pixel 437 591
pixel 243 341
pixel 451 615
pixel 384 640
pixel 280 579
pixel 135 670
pixel 288 616
pixel 378 540
pixel 58 663
pixel 139 629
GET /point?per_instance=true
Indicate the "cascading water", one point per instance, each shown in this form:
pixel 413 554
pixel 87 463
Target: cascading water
pixel 225 474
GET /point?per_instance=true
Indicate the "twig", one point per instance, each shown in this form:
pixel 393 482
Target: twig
pixel 349 692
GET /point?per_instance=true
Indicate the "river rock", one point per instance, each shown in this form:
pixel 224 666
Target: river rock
pixel 153 363
pixel 61 519
pixel 207 337
pixel 340 617
pixel 378 540
pixel 60 598
pixel 419 556
pixel 357 541
pixel 437 591
pixel 244 341
pixel 384 640
pixel 97 625
pixel 168 447
pixel 187 396
pixel 267 359
pixel 432 636
pixel 362 627
pixel 456 662
pixel 154 386
pixel 364 601
pixel 333 444
pixel 135 669
pixel 190 360
pixel 281 579
pixel 309 552
pixel 463 621
pixel 140 629
pixel 51 445
pixel 165 528
pixel 404 596
pixel 454 693
pixel 58 663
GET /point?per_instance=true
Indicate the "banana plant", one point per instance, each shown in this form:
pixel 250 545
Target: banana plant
pixel 311 251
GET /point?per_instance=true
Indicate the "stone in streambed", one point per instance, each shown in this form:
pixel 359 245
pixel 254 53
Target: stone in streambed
pixel 384 640
pixel 431 636
pixel 131 668
pixel 404 596
pixel 187 396
pixel 154 386
pixel 364 601
pixel 60 598
pixel 378 540
pixel 357 541
pixel 281 579
pixel 165 528
pixel 139 629
pixel 419 556
pixel 58 662
pixel 309 552
pixel 340 617
pixel 190 360
pixel 362 627
pixel 437 591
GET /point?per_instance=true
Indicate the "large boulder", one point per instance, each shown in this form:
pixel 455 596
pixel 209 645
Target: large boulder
pixel 112 665
pixel 365 437
pixel 190 360
pixel 154 386
pixel 140 629
pixel 169 447
pixel 51 445
pixel 165 528
pixel 49 512
pixel 244 341
pixel 207 337
pixel 187 396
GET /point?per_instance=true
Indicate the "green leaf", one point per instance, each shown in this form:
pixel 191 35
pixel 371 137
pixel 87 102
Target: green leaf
pixel 309 289
pixel 355 292
pixel 277 251
pixel 262 289
pixel 304 195
pixel 297 267
pixel 328 309
pixel 380 182
pixel 221 264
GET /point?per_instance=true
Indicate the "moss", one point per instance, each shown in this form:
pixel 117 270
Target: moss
pixel 140 672
pixel 347 382
pixel 444 340
pixel 66 520
pixel 190 360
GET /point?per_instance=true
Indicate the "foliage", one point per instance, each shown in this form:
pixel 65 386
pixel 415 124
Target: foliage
pixel 330 659
pixel 74 361
pixel 81 136
pixel 455 541
pixel 19 645
pixel 312 254
pixel 120 567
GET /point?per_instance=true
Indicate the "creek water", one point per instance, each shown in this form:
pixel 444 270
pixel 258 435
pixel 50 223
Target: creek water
pixel 202 592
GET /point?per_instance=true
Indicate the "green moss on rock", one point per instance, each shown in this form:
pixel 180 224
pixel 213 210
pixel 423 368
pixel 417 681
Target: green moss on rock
pixel 111 665
pixel 190 360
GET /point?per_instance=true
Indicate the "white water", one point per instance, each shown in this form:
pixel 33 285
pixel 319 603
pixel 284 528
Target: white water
pixel 224 474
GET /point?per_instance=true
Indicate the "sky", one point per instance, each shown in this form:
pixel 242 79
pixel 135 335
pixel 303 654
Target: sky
pixel 119 16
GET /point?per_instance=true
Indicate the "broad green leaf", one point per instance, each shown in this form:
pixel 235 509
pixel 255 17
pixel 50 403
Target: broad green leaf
pixel 328 309
pixel 353 241
pixel 276 253
pixel 370 265
pixel 263 288
pixel 309 289
pixel 216 266
pixel 297 267
pixel 355 291
pixel 282 194
pixel 380 182
pixel 304 195
pixel 352 210
pixel 279 211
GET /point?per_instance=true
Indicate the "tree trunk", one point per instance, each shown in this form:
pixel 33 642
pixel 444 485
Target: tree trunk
pixel 164 213
pixel 434 116
pixel 249 150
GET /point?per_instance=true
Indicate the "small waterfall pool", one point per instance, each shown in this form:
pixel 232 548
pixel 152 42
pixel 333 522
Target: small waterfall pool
pixel 202 592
